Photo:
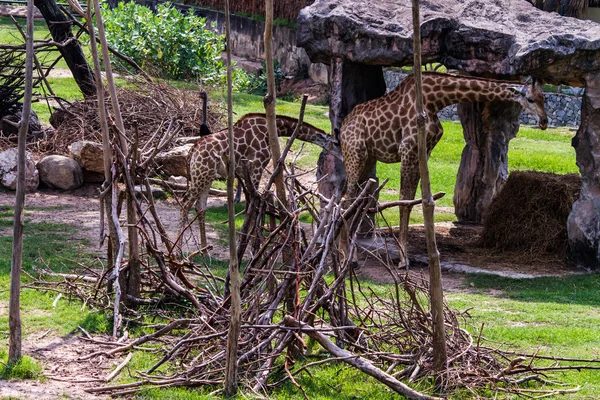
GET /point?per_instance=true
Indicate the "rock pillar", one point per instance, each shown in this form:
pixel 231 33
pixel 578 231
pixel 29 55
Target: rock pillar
pixel 583 225
pixel 488 128
pixel 350 84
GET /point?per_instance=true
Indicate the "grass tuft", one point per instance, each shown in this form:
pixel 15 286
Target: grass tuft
pixel 25 368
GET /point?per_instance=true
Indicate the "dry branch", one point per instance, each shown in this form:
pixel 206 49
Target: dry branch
pixel 358 362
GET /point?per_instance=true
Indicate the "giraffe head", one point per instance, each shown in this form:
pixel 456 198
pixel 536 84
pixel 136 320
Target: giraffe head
pixel 531 98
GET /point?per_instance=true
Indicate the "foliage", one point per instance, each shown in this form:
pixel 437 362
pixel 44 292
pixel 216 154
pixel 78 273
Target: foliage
pixel 167 42
pixel 258 84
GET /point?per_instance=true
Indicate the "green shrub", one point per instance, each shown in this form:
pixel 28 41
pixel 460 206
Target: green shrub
pixel 258 84
pixel 174 45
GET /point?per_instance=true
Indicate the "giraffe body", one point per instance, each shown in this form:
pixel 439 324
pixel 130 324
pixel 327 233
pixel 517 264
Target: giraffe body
pixel 207 158
pixel 385 129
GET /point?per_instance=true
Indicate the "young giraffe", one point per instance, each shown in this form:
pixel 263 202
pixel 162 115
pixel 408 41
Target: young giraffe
pixel 385 129
pixel 206 160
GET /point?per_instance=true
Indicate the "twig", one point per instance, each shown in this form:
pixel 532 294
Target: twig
pixel 117 370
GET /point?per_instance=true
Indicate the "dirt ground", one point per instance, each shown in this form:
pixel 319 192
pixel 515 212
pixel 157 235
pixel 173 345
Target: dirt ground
pixel 69 376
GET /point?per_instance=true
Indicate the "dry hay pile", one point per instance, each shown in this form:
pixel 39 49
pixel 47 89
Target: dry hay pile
pixel 152 107
pixel 530 213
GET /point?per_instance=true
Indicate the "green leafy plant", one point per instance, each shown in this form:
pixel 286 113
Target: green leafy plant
pixel 258 84
pixel 174 45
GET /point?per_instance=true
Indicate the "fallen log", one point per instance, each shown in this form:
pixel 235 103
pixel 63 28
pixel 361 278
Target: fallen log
pixel 358 362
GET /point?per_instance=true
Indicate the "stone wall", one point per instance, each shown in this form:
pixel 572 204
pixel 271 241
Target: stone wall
pixel 562 109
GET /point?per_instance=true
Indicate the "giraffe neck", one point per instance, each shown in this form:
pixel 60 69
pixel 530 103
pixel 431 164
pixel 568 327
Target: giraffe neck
pixel 441 90
pixel 306 133
pixel 287 125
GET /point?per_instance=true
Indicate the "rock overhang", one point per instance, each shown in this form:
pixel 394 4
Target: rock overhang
pixel 507 38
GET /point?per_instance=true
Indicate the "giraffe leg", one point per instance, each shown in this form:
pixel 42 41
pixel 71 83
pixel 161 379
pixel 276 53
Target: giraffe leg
pixel 410 175
pixel 344 243
pixel 186 204
pixel 238 193
pixel 200 212
pixel 352 190
pixel 408 187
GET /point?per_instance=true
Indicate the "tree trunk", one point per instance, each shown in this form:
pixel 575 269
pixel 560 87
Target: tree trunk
pixel 350 84
pixel 583 225
pixel 488 129
pixel 14 305
pixel 60 29
pixel 270 100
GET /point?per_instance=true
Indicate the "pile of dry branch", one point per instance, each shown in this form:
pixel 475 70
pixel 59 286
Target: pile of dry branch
pixel 148 108
pixel 294 286
pixel 530 213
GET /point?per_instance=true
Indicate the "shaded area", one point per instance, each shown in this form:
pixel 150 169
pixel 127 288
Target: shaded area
pixel 503 39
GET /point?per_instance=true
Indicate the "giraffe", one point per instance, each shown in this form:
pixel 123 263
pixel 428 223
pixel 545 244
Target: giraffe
pixel 385 129
pixel 206 160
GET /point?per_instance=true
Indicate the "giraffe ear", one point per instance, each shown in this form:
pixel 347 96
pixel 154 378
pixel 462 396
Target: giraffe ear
pixel 517 89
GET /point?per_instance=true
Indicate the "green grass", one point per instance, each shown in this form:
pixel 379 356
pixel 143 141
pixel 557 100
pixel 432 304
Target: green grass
pixel 557 316
pixel 10 35
pixel 25 368
pixel 54 244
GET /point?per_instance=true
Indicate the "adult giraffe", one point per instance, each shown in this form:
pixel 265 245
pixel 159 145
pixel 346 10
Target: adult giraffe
pixel 206 160
pixel 385 129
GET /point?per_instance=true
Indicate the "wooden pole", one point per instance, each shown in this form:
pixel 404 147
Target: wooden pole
pixel 235 319
pixel 134 271
pixel 116 242
pixel 435 272
pixel 14 305
pixel 270 100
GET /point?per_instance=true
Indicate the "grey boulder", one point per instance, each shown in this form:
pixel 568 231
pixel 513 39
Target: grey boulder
pixel 60 172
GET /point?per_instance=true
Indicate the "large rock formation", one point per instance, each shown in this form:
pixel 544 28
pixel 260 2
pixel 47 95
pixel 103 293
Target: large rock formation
pixel 584 222
pixel 505 39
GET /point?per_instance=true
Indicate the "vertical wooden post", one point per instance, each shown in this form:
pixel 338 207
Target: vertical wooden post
pixel 270 100
pixel 435 273
pixel 133 282
pixel 235 321
pixel 116 242
pixel 14 305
